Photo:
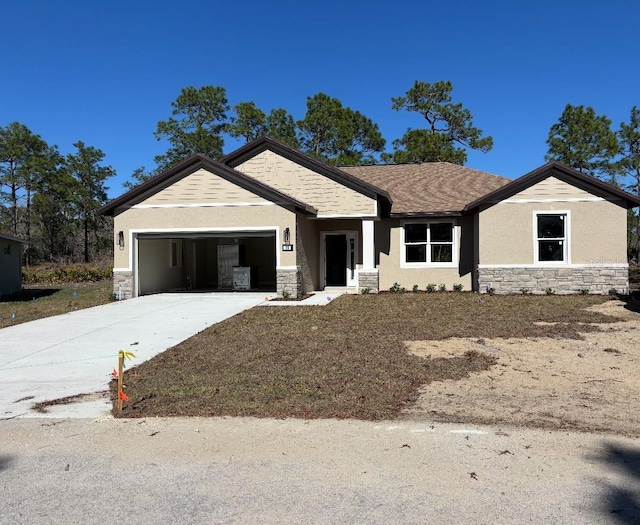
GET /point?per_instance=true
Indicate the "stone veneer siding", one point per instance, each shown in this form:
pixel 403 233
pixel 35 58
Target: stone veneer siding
pixel 595 279
pixel 368 279
pixel 289 281
pixel 123 285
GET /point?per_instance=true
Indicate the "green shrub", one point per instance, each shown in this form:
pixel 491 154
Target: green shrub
pixel 442 288
pixel 76 273
pixel 457 287
pixel 431 287
pixel 396 288
pixel 549 291
pixel 524 291
pixel 415 288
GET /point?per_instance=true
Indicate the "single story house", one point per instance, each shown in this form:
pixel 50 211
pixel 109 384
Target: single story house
pixel 268 217
pixel 10 264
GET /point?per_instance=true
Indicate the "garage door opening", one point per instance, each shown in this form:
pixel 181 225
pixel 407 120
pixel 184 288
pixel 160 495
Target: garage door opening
pixel 206 263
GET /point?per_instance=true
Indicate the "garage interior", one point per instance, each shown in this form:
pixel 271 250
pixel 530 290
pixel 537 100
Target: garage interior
pixel 207 262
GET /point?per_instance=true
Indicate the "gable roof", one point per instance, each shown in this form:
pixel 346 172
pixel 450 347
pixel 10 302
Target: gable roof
pixel 189 166
pixel 340 176
pixel 564 173
pixel 428 189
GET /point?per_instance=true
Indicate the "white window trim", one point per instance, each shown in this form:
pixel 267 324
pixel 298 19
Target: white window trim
pixel 567 238
pixel 403 252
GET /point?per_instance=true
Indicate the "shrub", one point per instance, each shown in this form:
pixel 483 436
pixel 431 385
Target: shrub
pixel 524 291
pixel 442 288
pixel 613 291
pixel 584 291
pixel 457 287
pixel 286 294
pixel 396 288
pixel 491 291
pixel 431 287
pixel 76 273
pixel 365 291
pixel 415 288
pixel 549 291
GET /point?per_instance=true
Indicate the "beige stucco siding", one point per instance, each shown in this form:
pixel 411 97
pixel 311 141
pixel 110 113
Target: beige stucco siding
pixel 202 187
pixel 597 232
pixel 306 246
pixel 389 248
pixel 202 219
pixel 329 197
pixel 552 188
pixel 155 273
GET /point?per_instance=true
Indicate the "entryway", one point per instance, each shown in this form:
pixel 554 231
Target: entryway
pixel 339 250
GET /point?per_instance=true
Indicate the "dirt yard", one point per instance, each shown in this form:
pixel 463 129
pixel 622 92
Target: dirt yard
pixel 590 385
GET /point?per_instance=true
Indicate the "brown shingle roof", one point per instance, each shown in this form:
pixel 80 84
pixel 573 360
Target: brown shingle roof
pixel 428 189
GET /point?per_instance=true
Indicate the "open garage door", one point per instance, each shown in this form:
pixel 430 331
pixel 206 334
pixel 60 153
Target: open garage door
pixel 209 261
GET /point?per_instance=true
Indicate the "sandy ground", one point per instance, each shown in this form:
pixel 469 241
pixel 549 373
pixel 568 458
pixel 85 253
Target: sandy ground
pixel 266 471
pixel 589 385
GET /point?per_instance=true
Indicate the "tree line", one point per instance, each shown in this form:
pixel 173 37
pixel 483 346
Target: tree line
pixel 50 199
pixel 202 118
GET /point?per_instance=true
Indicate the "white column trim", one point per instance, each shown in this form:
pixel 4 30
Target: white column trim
pixel 368 245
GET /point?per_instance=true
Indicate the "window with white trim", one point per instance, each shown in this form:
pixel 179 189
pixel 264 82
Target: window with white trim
pixel 551 237
pixel 428 243
pixel 175 260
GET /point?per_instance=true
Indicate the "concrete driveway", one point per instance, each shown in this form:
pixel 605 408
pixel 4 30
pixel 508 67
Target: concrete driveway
pixel 75 353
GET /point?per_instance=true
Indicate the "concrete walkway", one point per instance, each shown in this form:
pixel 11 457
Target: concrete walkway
pixel 75 353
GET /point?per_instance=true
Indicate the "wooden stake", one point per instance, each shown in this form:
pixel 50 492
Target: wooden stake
pixel 120 371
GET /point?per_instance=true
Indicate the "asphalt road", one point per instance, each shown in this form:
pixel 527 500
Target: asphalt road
pixel 225 470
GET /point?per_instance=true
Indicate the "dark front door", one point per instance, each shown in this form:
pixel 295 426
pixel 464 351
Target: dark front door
pixel 335 253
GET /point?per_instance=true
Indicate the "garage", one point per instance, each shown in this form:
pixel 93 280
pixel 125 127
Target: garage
pixel 209 261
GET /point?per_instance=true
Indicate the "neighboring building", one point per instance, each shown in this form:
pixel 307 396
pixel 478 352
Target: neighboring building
pixel 10 264
pixel 301 225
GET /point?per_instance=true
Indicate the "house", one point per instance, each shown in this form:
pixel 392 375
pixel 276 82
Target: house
pixel 10 264
pixel 268 217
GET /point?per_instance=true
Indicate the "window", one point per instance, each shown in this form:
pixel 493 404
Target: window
pixel 428 243
pixel 176 260
pixel 551 241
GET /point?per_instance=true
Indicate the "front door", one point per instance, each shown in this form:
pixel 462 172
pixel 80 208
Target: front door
pixel 340 259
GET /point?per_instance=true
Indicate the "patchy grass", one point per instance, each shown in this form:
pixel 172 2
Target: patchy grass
pixel 44 406
pixel 41 301
pixel 343 360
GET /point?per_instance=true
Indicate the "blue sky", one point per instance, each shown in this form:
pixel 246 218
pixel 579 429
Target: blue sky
pixel 107 72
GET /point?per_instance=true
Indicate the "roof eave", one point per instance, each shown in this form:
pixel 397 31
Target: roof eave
pixel 13 239
pixel 547 170
pixel 425 214
pixel 201 161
